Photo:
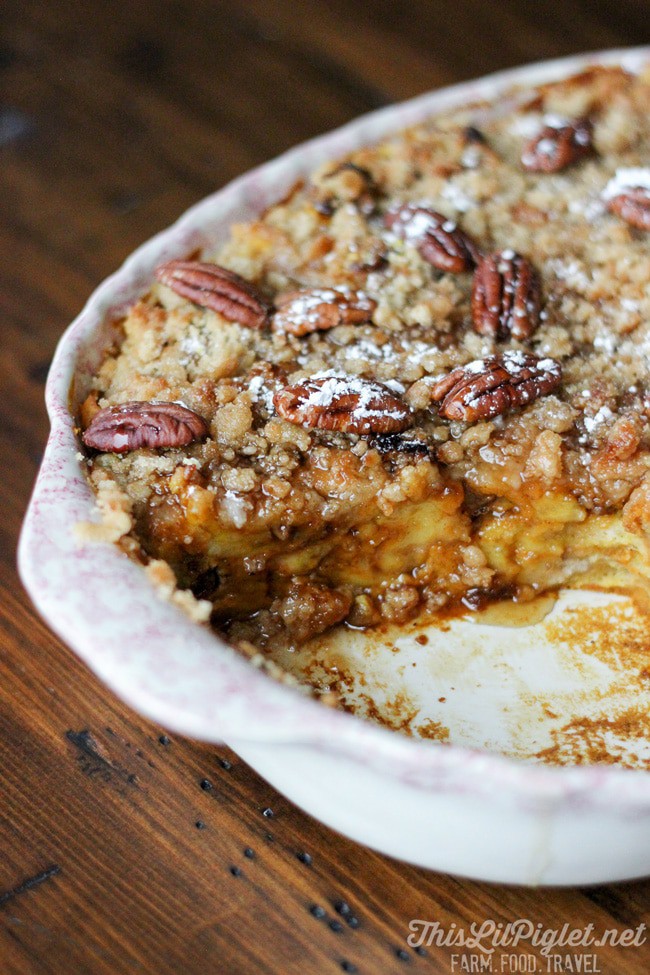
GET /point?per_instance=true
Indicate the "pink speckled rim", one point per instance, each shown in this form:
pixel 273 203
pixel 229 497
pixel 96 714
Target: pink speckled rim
pixel 178 673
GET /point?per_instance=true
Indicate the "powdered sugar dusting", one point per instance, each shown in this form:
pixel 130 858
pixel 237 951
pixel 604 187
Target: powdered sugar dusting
pixel 417 226
pixel 367 395
pixel 260 392
pixel 457 197
pixel 602 416
pixel 635 177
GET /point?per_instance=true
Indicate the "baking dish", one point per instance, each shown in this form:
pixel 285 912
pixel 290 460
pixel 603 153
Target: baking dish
pixel 431 803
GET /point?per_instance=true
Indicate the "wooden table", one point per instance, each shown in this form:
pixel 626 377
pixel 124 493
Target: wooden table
pixel 124 850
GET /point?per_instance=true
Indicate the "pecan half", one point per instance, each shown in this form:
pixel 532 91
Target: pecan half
pixel 130 426
pixel 439 240
pixel 633 206
pixel 319 309
pixel 557 145
pixel 345 403
pixel 506 296
pixel 488 387
pixel 214 287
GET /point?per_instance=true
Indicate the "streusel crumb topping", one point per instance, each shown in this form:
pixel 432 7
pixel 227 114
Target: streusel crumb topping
pixel 460 313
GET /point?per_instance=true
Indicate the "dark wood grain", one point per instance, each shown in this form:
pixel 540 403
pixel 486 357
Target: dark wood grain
pixel 114 117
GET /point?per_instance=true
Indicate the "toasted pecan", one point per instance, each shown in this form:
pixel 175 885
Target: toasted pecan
pixel 345 403
pixel 506 296
pixel 217 288
pixel 319 309
pixel 439 240
pixel 491 386
pixel 558 145
pixel 633 206
pixel 130 426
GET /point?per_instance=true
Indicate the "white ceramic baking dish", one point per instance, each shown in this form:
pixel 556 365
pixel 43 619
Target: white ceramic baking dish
pixel 464 810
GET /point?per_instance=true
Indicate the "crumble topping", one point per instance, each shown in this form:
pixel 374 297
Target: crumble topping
pixel 271 507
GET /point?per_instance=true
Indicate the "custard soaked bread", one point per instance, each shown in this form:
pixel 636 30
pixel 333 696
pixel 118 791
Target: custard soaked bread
pixel 419 381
